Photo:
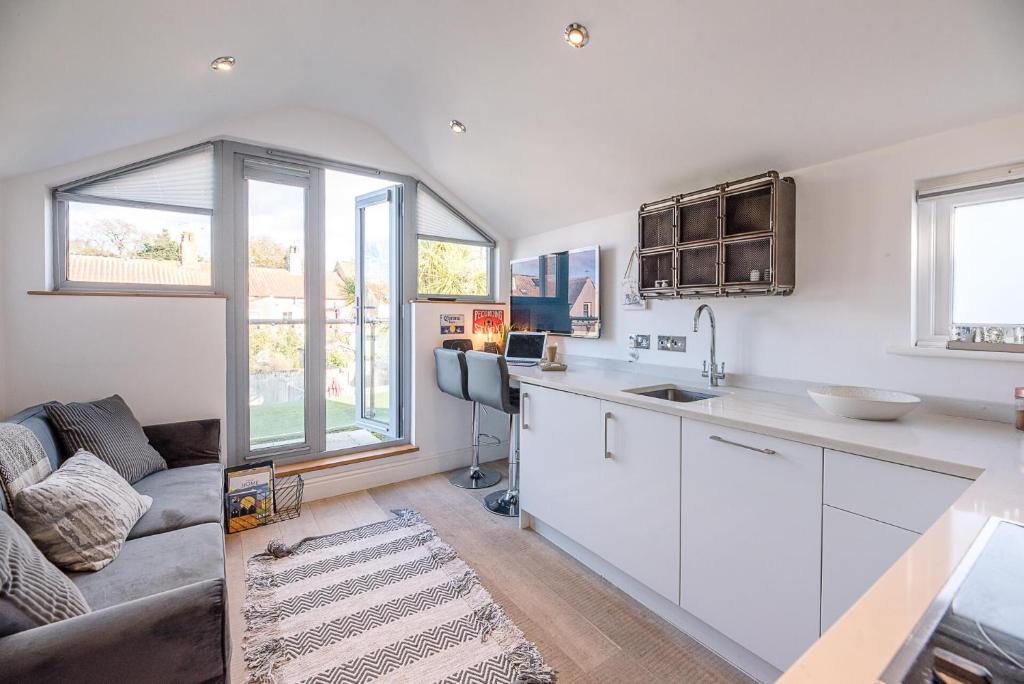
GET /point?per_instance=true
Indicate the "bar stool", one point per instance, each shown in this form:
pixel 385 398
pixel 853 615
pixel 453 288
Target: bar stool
pixel 452 378
pixel 489 385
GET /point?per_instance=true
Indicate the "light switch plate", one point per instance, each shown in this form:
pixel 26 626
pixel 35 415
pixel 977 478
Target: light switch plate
pixel 674 343
pixel 640 341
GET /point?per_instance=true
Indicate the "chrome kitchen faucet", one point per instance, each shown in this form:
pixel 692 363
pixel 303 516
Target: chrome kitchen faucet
pixel 714 374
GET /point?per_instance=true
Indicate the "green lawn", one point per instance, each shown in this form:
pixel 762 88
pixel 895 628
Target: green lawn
pixel 278 422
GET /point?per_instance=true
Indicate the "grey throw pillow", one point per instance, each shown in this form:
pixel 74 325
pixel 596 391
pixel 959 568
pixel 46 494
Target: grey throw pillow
pixel 33 593
pixel 22 461
pixel 108 429
pixel 80 515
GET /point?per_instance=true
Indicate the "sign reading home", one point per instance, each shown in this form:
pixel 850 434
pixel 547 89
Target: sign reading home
pixel 453 324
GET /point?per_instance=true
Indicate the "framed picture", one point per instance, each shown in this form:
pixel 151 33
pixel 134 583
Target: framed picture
pixel 487 321
pixel 453 324
pixel 248 495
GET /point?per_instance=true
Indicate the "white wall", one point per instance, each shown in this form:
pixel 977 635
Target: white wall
pixel 442 424
pixel 165 356
pixel 852 296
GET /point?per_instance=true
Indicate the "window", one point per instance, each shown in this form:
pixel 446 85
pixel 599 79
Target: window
pixel 146 227
pixel 969 249
pixel 454 257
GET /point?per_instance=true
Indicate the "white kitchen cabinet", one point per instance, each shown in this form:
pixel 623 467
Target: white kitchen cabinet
pixel 637 479
pixel 607 476
pixel 751 538
pixel 855 552
pixel 911 498
pixel 560 437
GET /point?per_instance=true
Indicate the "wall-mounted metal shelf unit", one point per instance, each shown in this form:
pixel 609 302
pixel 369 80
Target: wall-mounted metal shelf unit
pixel 735 239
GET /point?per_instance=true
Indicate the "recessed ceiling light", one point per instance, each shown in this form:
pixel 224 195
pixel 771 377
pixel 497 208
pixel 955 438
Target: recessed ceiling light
pixel 226 63
pixel 457 126
pixel 576 35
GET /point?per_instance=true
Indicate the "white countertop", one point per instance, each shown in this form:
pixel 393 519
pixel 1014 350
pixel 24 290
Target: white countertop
pixel 859 646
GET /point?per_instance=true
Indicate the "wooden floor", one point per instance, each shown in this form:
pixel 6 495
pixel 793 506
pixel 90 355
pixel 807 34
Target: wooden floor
pixel 586 629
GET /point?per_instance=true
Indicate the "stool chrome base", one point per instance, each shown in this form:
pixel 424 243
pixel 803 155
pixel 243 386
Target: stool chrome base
pixel 501 503
pixel 479 478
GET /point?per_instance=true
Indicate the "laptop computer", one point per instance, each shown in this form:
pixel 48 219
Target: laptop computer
pixel 525 348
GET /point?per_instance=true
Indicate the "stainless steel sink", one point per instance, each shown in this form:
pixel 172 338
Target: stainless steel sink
pixel 671 393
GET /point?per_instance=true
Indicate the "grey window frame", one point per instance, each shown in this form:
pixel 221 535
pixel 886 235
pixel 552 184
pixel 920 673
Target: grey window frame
pixel 234 274
pixel 61 195
pixel 492 249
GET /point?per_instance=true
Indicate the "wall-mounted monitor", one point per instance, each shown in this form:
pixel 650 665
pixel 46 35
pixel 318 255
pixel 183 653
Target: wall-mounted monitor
pixel 557 293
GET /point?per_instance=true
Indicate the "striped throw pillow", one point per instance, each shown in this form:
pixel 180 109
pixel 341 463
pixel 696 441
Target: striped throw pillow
pixel 108 429
pixel 80 516
pixel 33 593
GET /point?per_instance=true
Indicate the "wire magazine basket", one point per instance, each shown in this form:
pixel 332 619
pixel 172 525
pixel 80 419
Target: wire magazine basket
pixel 287 505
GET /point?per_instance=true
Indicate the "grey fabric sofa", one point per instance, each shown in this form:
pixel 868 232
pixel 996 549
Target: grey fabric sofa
pixel 159 609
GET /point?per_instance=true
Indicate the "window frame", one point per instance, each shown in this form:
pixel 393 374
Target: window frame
pixel 933 257
pixel 491 246
pixel 62 195
pixel 234 273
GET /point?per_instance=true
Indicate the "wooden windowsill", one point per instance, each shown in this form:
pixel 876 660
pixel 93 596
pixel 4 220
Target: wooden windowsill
pixel 117 293
pixel 455 301
pixel 347 459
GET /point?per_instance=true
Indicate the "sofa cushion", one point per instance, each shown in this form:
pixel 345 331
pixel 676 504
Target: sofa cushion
pixel 32 591
pixel 80 516
pixel 107 428
pixel 182 497
pixel 35 419
pixel 157 563
pixel 23 462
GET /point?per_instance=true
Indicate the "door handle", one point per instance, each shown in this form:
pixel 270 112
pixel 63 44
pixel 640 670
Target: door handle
pixel 607 416
pixel 716 438
pixel 522 411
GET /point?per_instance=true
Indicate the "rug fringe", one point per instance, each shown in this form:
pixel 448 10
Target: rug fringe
pixel 279 549
pixel 465 583
pixel 259 615
pixel 529 665
pixel 410 517
pixel 263 658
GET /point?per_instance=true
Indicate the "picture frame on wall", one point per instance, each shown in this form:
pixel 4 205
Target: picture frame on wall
pixel 453 324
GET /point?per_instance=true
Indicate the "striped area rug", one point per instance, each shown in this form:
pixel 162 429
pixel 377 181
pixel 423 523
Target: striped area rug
pixel 387 602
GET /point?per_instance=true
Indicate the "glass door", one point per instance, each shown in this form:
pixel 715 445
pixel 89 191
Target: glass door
pixel 314 310
pixel 377 310
pixel 277 223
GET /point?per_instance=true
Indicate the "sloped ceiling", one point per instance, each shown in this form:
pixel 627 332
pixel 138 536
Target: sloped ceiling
pixel 670 94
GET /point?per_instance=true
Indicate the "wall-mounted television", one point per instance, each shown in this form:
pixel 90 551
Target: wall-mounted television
pixel 557 293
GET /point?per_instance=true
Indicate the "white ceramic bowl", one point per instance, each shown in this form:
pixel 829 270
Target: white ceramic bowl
pixel 863 403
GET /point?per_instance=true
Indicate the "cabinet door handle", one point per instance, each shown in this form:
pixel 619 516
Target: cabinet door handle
pixel 522 411
pixel 716 438
pixel 607 417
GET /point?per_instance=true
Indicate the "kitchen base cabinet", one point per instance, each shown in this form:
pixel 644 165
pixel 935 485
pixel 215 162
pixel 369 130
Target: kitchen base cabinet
pixel 636 480
pixel 855 552
pixel 607 476
pixel 751 538
pixel 560 437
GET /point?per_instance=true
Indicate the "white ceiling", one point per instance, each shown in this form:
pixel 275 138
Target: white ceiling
pixel 670 94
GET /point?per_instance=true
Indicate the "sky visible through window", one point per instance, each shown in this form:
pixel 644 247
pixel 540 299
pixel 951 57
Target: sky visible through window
pixel 988 254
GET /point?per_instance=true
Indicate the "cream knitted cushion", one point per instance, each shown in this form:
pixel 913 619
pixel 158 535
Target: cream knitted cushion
pixel 81 514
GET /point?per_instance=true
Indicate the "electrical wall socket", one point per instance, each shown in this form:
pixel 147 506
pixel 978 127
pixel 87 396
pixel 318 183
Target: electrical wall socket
pixel 674 343
pixel 640 341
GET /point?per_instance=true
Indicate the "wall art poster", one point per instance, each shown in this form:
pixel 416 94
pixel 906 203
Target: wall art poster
pixel 487 321
pixel 453 324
